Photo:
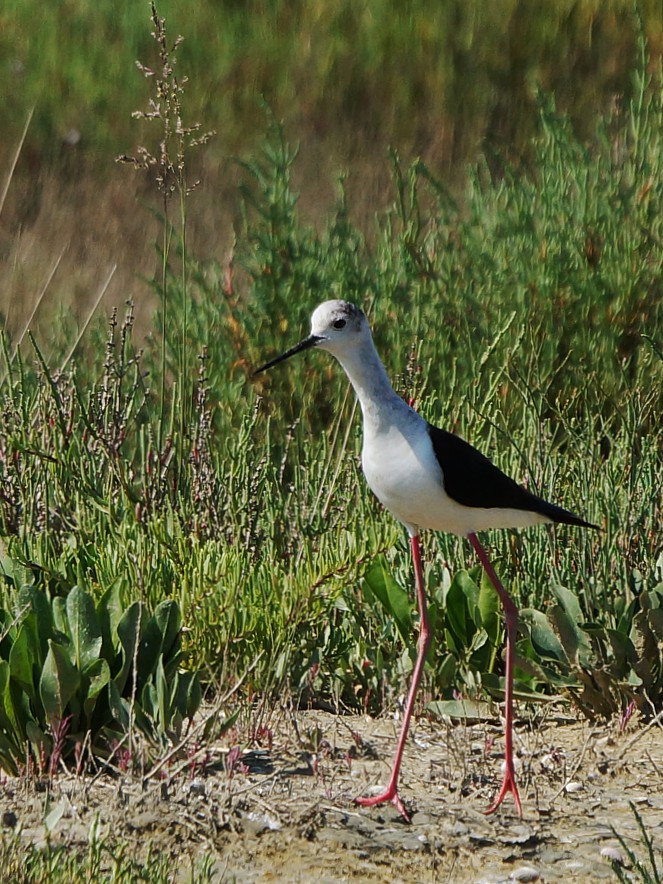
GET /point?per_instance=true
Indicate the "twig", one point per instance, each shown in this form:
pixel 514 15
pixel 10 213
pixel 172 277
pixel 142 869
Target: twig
pixel 83 328
pixel 17 154
pixel 576 766
pixel 638 735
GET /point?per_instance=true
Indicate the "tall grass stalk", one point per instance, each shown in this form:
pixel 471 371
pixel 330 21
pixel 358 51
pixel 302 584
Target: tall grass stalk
pixel 524 313
pixel 169 166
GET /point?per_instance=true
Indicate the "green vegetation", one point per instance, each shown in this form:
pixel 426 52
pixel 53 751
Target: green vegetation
pixel 352 73
pixel 526 313
pixel 169 524
pixel 103 861
pixel 644 870
pixel 75 675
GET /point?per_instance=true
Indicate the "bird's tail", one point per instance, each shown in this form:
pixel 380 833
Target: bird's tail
pixel 559 514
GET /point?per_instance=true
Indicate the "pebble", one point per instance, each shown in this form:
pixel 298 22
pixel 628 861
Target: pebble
pixel 613 854
pixel 197 787
pixel 573 786
pixel 263 821
pixel 525 873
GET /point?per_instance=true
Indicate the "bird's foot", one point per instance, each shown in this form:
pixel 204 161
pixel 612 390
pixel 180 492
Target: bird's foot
pixel 391 795
pixel 508 785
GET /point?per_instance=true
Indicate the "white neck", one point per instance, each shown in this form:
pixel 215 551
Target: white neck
pixel 371 383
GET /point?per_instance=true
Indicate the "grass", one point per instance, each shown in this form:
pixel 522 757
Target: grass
pixel 525 313
pixel 522 309
pixel 350 72
pixel 100 862
pixel 646 869
pixel 447 87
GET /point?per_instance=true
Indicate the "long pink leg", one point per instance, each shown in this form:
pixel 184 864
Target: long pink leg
pixel 423 644
pixel 511 623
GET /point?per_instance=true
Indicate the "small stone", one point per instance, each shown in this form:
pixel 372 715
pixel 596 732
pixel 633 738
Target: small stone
pixel 197 787
pixel 613 854
pixel 261 822
pixel 573 786
pixel 525 873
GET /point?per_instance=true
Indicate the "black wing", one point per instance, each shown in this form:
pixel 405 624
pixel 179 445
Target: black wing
pixel 472 480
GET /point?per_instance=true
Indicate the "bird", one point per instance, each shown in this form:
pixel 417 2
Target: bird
pixel 429 479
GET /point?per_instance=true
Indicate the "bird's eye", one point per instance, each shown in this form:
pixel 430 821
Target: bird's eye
pixel 339 323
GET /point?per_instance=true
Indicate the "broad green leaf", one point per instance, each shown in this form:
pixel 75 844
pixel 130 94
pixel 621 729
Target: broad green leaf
pixel 462 593
pixel 24 660
pixel 128 631
pixel 120 708
pixel 622 651
pixel 39 617
pixel 216 727
pixel 575 642
pixel 15 706
pixel 626 619
pixel 149 701
pixel 58 683
pixel 40 741
pixel 656 622
pixel 162 696
pixel 646 648
pixel 544 640
pixel 545 675
pixel 453 644
pixel 395 601
pixel 98 675
pixel 433 621
pixel 53 813
pixel 7 714
pixel 495 685
pixel 60 620
pixel 567 632
pixel 7 633
pixel 149 652
pixel 11 756
pixel 446 671
pixel 489 608
pixel 5 674
pixel 470 583
pixel 83 627
pixel 146 723
pixel 109 614
pixel 194 694
pixel 169 620
pixel 569 601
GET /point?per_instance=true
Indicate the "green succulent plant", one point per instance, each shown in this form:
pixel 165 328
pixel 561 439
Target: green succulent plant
pixel 72 669
pixel 603 668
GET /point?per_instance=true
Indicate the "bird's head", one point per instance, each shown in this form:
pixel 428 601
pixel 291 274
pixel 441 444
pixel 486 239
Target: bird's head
pixel 336 326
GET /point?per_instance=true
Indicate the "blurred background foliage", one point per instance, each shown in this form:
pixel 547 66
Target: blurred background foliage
pixel 438 79
pixel 485 179
pixel 444 82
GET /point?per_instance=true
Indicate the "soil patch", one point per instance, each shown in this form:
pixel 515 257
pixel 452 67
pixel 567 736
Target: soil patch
pixel 287 811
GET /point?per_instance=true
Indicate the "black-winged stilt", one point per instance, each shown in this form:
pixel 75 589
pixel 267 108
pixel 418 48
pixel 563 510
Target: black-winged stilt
pixel 427 478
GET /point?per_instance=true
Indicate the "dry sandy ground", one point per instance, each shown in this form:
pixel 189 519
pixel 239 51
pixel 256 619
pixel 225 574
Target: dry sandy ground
pixel 286 814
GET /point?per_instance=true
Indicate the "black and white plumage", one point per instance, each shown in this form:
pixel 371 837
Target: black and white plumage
pixel 428 479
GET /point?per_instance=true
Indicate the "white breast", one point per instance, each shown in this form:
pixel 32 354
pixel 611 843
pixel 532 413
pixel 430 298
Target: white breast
pixel 403 472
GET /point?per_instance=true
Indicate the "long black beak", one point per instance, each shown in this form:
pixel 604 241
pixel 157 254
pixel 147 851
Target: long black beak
pixel 306 344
